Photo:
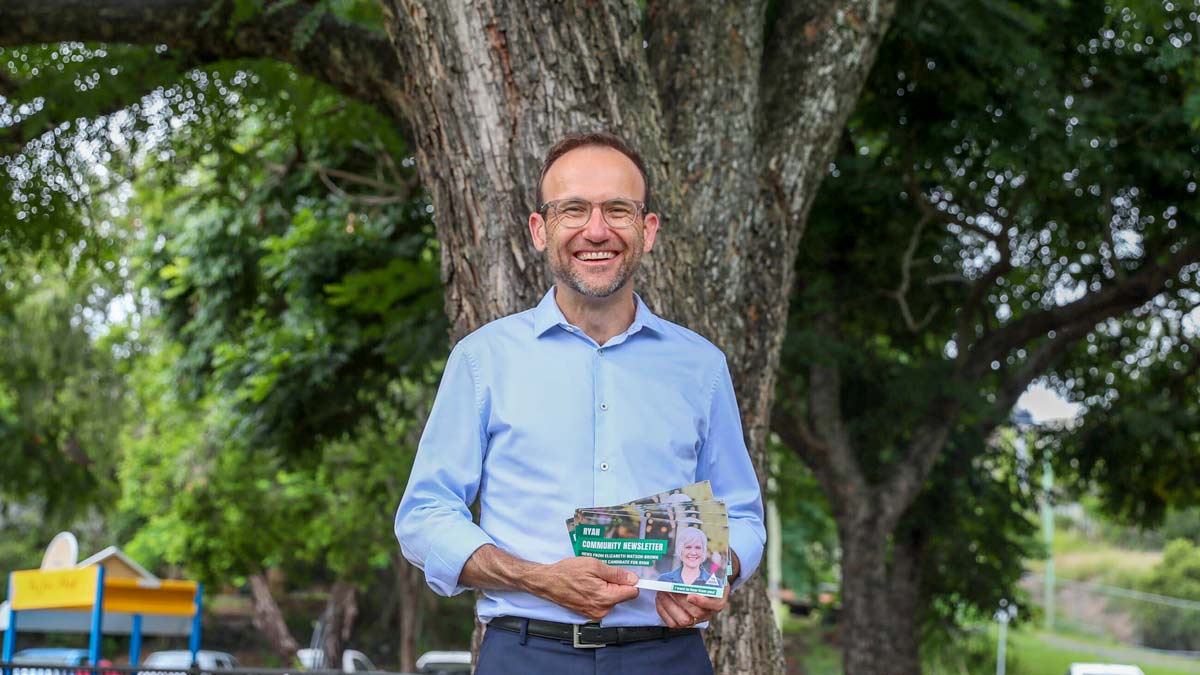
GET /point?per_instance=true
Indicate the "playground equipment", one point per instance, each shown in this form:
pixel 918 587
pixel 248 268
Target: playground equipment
pixel 107 594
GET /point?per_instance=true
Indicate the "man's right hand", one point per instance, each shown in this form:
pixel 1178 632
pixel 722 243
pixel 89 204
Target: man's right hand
pixel 584 585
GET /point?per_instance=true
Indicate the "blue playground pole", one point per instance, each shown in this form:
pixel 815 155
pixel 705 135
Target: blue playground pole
pixel 194 638
pixel 135 641
pixel 10 633
pixel 97 620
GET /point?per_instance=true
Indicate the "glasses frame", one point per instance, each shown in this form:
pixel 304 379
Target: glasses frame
pixel 639 211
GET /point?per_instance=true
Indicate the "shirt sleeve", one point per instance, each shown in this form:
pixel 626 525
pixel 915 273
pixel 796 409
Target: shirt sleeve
pixel 433 523
pixel 725 462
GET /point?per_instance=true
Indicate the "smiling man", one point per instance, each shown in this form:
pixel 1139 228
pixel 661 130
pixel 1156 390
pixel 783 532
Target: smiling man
pixel 586 399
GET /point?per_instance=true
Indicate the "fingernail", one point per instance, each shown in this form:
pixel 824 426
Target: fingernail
pixel 631 577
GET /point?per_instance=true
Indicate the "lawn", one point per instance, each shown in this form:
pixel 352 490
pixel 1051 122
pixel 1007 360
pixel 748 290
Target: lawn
pixel 1030 652
pixel 1035 653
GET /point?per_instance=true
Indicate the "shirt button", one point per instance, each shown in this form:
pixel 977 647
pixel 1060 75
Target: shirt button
pixel 604 466
pixel 604 406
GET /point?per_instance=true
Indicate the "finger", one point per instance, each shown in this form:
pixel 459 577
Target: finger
pixel 615 575
pixel 620 593
pixel 674 616
pixel 705 603
pixel 680 616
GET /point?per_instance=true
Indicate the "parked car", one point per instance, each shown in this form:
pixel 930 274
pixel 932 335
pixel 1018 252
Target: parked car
pixel 444 663
pixel 1103 669
pixel 65 657
pixel 208 661
pixel 353 661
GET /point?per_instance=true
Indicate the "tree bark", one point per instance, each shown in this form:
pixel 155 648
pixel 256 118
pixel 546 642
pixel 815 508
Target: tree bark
pixel 342 607
pixel 737 120
pixel 268 619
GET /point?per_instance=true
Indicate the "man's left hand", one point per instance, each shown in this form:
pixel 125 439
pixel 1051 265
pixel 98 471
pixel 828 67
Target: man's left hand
pixel 679 611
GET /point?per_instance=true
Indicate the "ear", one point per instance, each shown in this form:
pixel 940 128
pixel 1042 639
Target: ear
pixel 649 231
pixel 537 231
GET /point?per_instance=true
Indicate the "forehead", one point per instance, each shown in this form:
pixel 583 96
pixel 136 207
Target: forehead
pixel 593 172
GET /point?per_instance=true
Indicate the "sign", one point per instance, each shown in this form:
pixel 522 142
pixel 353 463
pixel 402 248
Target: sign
pixel 62 553
pixel 58 589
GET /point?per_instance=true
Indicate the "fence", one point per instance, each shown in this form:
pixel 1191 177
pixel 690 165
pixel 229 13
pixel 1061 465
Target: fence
pixel 1163 623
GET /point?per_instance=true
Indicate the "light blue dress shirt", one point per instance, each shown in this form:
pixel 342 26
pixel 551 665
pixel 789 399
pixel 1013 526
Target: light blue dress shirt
pixel 536 419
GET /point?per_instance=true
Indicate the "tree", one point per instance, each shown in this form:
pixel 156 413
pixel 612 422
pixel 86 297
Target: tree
pixel 1013 199
pixel 291 336
pixel 736 106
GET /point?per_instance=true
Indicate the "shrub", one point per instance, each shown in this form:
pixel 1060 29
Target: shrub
pixel 1178 576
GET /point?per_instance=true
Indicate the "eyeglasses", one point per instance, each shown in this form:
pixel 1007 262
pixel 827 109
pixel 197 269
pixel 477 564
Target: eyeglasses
pixel 573 213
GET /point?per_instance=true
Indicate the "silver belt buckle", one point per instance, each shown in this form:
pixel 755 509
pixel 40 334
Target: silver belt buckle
pixel 583 645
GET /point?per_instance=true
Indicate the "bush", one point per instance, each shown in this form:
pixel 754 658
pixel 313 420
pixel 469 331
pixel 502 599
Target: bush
pixel 1177 575
pixel 1184 524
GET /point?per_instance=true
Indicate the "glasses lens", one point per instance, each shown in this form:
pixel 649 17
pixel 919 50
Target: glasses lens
pixel 620 212
pixel 573 212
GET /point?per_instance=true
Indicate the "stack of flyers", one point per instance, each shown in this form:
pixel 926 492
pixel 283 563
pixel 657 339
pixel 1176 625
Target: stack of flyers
pixel 675 541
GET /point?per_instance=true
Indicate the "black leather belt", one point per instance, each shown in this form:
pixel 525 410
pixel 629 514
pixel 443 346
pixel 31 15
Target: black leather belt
pixel 588 635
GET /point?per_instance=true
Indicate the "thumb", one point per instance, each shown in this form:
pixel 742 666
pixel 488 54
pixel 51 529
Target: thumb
pixel 616 575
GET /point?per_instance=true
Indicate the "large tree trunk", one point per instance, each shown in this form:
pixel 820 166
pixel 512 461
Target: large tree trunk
pixel 268 619
pixel 737 119
pixel 879 630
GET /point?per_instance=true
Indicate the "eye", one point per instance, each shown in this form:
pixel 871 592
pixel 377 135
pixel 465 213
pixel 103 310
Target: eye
pixel 619 209
pixel 574 209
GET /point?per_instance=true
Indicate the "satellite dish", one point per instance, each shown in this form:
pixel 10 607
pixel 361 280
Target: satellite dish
pixel 62 553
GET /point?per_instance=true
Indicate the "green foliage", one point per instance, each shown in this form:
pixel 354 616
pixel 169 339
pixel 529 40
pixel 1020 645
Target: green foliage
pixel 809 536
pixel 1003 160
pixel 1178 576
pixel 60 392
pixel 298 306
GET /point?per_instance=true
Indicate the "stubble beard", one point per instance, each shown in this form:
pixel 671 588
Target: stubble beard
pixel 563 273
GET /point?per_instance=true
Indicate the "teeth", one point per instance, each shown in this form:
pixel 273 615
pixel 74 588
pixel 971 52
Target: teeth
pixel 595 255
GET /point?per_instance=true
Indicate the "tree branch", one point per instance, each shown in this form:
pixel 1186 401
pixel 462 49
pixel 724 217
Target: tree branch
pixel 353 59
pixel 900 294
pixel 1068 323
pixel 1089 310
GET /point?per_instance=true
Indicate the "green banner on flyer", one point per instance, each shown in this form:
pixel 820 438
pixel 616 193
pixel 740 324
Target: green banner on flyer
pixel 591 542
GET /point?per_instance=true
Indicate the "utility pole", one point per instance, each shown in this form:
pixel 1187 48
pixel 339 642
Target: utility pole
pixel 1048 536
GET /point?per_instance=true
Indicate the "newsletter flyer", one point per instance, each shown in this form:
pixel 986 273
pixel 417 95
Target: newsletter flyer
pixel 672 541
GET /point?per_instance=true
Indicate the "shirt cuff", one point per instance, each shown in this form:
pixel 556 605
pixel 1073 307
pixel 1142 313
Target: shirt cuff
pixel 444 564
pixel 747 544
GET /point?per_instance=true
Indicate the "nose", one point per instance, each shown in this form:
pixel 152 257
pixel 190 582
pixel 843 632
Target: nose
pixel 596 229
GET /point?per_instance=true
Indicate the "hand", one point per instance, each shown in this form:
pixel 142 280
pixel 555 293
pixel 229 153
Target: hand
pixel 678 611
pixel 584 585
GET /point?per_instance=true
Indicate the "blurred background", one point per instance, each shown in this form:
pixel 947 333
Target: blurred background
pixel 221 324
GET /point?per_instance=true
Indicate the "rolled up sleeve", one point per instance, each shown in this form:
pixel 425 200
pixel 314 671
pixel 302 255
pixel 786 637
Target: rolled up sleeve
pixel 433 524
pixel 725 462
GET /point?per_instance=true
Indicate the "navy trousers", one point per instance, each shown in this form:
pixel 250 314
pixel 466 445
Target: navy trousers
pixel 507 653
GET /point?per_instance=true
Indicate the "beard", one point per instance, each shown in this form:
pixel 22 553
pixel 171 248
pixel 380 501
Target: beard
pixel 564 273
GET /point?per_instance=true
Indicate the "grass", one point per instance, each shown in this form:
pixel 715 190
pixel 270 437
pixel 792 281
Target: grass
pixel 1030 652
pixel 1082 558
pixel 1033 653
pixel 808 648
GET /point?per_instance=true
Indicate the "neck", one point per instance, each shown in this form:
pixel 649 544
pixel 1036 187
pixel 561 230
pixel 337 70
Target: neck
pixel 600 318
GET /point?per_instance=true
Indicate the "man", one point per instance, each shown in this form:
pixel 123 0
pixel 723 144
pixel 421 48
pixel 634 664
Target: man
pixel 587 399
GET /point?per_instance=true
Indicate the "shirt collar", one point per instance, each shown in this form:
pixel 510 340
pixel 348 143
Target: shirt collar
pixel 547 315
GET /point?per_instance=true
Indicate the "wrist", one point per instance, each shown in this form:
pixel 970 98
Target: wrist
pixel 534 580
